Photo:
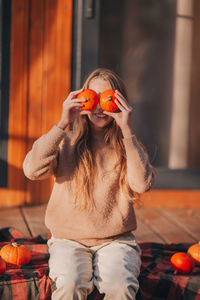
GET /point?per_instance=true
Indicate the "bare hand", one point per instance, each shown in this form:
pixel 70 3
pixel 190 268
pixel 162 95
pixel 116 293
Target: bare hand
pixel 122 118
pixel 71 109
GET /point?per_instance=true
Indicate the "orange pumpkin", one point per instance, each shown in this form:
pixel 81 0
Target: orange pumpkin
pixel 2 266
pixel 90 98
pixel 181 263
pixel 16 254
pixel 194 253
pixel 107 102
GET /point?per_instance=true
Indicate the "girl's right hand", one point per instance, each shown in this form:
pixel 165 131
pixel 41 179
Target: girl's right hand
pixel 71 109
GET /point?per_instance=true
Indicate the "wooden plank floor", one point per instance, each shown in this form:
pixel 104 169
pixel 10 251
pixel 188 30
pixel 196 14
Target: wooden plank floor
pixel 155 224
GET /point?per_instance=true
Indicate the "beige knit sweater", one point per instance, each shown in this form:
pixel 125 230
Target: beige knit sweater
pixel 113 214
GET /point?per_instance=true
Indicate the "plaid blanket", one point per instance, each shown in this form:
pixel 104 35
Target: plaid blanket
pixel 157 278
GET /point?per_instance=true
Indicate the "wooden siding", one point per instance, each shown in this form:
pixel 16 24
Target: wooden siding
pixel 14 194
pixel 40 74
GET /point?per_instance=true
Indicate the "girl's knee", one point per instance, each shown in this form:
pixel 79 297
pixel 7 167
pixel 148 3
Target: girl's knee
pixel 119 288
pixel 64 285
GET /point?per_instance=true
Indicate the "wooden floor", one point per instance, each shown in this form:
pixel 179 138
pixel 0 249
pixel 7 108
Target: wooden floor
pixel 155 224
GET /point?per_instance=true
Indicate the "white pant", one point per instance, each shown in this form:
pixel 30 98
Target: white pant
pixel 113 267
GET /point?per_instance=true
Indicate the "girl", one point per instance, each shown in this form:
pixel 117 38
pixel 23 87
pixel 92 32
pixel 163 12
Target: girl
pixel 99 168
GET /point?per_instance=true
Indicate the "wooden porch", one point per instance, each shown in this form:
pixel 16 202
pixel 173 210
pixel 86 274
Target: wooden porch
pixel 155 224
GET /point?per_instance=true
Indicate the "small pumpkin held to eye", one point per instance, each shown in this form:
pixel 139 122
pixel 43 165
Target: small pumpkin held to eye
pixel 107 101
pixel 90 99
pixel 15 254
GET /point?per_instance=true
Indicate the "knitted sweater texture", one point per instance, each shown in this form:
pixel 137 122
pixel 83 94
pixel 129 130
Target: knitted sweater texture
pixel 113 214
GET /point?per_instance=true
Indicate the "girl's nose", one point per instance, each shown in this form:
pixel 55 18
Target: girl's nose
pixel 98 108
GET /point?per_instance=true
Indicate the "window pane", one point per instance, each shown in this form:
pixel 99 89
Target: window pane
pixel 138 40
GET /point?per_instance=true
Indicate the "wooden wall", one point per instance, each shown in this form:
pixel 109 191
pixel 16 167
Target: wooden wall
pixel 39 82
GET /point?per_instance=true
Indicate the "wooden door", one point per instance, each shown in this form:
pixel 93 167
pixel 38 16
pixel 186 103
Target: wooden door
pixel 40 78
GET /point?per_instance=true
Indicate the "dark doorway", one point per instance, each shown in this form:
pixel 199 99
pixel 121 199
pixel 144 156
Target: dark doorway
pixel 136 39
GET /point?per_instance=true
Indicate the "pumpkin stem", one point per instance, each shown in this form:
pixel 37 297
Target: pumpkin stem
pixel 110 98
pixel 14 244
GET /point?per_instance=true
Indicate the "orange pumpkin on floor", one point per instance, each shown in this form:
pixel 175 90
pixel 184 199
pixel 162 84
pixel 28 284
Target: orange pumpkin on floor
pixel 2 266
pixel 16 254
pixel 194 253
pixel 90 98
pixel 181 263
pixel 107 102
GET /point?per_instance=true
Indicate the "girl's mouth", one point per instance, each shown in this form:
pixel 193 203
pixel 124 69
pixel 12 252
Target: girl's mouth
pixel 101 116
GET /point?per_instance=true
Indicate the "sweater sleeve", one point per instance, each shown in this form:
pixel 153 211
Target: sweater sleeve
pixel 139 170
pixel 41 161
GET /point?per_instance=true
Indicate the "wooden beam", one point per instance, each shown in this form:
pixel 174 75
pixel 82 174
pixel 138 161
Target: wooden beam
pixel 179 138
pixel 171 198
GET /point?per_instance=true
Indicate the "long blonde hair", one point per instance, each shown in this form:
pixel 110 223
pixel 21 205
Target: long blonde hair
pixel 84 157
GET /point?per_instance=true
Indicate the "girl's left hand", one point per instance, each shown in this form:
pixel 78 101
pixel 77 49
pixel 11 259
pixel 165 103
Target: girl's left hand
pixel 122 118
